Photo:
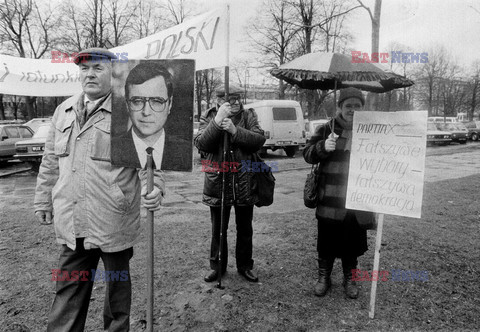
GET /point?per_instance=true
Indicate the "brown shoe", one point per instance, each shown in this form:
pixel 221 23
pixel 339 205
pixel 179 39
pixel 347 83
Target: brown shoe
pixel 249 275
pixel 213 276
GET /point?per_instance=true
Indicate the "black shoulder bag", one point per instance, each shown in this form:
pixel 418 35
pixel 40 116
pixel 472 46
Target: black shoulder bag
pixel 265 182
pixel 311 191
pixel 264 178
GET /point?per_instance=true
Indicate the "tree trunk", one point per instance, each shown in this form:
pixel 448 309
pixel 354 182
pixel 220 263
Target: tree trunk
pixel 376 38
pixel 281 88
pixel 2 108
pixel 474 100
pixel 29 103
pixel 376 26
pixel 198 92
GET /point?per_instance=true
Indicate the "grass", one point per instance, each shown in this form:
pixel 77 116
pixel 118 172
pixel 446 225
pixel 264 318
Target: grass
pixel 443 242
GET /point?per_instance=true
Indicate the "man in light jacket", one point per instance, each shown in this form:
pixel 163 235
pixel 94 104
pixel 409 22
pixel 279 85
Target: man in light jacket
pixel 95 206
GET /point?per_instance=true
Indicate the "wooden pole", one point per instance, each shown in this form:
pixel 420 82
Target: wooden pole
pixel 150 229
pixel 223 232
pixel 334 107
pixel 376 262
pixel 224 158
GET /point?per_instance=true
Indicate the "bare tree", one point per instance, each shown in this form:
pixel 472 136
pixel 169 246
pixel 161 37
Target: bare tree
pixel 96 23
pixel 146 19
pixel 333 29
pixel 120 18
pixel 28 31
pixel 319 25
pixel 25 29
pixel 75 37
pixel 406 69
pixel 442 85
pixel 430 76
pixel 150 17
pixel 85 25
pixel 474 87
pixel 271 34
pixel 326 17
pixel 179 10
pixel 207 81
pixel 375 18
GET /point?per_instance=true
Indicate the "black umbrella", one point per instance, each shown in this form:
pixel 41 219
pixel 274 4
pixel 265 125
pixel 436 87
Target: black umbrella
pixel 330 71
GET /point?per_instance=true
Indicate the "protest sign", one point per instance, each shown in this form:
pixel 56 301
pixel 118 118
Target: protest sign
pixel 387 162
pixel 152 103
pixel 203 39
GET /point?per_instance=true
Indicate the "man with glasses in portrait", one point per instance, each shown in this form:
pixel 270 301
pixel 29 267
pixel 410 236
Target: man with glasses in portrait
pixel 148 96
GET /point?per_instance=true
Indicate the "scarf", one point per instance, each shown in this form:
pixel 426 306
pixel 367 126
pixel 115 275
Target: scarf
pixel 346 131
pixel 82 113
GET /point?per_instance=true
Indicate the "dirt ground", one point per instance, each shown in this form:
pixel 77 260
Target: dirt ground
pixel 444 242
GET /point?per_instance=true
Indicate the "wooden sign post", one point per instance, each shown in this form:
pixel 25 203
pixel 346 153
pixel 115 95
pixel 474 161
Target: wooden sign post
pixel 376 263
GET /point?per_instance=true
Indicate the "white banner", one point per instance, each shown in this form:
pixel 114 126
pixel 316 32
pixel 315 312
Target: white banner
pixel 202 38
pixel 387 162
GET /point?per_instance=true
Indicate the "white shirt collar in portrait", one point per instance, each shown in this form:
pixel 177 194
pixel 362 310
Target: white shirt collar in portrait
pixel 141 148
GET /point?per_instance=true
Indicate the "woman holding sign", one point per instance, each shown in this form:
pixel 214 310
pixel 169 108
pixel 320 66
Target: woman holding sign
pixel 339 232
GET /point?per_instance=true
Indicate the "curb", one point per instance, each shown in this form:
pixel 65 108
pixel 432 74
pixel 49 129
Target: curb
pixel 8 173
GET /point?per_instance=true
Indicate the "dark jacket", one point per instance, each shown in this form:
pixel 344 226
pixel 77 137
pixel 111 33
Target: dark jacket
pixel 177 152
pixel 240 185
pixel 334 173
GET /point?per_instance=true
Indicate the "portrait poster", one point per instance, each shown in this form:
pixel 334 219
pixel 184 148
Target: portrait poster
pixel 387 162
pixel 152 108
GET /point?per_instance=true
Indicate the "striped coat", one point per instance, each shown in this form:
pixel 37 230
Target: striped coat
pixel 334 173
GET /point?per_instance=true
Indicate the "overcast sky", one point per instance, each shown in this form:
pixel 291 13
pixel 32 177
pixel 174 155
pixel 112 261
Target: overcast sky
pixel 419 24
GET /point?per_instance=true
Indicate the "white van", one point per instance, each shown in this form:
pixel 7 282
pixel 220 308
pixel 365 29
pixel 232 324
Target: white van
pixel 282 121
pixel 312 125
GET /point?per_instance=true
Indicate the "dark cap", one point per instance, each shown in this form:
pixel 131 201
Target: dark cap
pixel 350 93
pixel 233 91
pixel 94 54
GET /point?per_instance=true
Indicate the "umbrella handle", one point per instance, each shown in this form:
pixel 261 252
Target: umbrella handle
pixel 334 106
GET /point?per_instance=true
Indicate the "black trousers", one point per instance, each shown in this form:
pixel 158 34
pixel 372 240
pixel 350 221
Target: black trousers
pixel 244 243
pixel 70 306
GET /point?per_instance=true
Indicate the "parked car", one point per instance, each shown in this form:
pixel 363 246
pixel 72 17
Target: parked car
pixel 9 135
pixel 312 125
pixel 37 122
pixel 437 137
pixel 473 128
pixel 442 119
pixel 282 121
pixel 459 131
pixel 32 150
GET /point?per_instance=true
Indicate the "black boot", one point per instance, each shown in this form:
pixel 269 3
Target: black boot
pixel 349 264
pixel 324 282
